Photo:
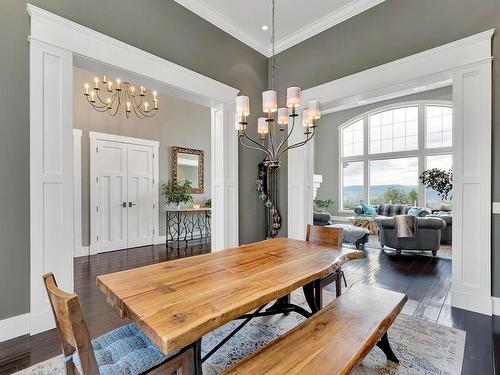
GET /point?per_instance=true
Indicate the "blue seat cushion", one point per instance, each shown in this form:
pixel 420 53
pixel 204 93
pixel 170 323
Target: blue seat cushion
pixel 124 351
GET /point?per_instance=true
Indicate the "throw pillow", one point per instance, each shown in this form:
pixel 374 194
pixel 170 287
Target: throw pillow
pixel 414 211
pixel 369 210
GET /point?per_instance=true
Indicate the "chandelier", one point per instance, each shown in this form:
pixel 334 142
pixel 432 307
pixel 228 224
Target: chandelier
pixel 278 124
pixel 106 97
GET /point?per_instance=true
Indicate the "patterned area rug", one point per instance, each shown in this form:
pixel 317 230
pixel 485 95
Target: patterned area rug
pixel 423 347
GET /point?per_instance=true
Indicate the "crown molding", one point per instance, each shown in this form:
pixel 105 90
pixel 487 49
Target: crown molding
pixel 340 15
pixel 208 13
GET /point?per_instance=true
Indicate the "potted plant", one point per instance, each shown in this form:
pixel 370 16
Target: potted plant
pixel 323 204
pixel 177 193
pixel 439 180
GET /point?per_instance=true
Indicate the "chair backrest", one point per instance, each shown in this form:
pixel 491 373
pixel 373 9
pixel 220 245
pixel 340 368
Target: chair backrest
pixel 71 326
pixel 328 236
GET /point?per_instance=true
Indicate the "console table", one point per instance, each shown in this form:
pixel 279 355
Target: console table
pixel 186 224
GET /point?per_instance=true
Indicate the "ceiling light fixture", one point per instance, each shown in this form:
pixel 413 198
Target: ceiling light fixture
pixel 265 27
pixel 122 93
pixel 266 126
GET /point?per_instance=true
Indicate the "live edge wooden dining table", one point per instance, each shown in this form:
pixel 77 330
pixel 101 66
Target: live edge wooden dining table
pixel 177 302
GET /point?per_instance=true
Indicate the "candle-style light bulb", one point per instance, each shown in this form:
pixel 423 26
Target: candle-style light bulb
pixel 128 106
pixel 146 105
pixel 262 127
pixel 104 80
pixel 283 116
pixel 96 80
pixel 143 90
pixel 243 105
pixel 110 84
pixel 87 89
pixel 118 81
pixel 269 101
pixel 293 97
pixel 92 96
pixel 314 109
pixel 109 103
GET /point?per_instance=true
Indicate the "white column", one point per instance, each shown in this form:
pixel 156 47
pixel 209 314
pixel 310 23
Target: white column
pixel 51 175
pixel 471 288
pixel 77 191
pixel 224 161
pixel 300 183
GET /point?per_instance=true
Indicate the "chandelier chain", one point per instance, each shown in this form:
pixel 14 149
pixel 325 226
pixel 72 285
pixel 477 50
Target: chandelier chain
pixel 273 40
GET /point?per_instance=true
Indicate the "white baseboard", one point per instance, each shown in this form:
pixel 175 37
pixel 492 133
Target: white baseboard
pixel 471 302
pixel 82 251
pixel 14 327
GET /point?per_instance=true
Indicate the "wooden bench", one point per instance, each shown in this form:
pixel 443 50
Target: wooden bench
pixel 334 340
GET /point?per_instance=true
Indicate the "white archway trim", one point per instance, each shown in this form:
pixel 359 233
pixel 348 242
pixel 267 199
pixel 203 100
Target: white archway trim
pixel 466 64
pixel 54 44
pixel 60 32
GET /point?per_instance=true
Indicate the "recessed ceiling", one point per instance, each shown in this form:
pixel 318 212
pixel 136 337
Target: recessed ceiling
pixel 296 20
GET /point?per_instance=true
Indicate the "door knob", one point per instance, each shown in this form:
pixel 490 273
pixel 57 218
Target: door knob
pixel 130 204
pixel 124 204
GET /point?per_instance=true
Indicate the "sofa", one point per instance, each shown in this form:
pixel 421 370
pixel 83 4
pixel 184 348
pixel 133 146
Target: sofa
pixel 446 232
pixel 389 210
pixel 428 235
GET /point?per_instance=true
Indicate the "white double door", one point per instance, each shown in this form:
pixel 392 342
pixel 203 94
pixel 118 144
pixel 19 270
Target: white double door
pixel 125 205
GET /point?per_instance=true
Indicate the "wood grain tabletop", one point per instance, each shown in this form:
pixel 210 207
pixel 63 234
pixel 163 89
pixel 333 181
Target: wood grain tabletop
pixel 178 301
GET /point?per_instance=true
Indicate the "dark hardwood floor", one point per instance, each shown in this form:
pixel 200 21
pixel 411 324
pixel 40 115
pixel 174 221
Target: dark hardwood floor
pixel 426 280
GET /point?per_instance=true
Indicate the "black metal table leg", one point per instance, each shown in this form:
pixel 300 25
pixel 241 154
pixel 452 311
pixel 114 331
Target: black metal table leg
pixel 197 368
pixel 386 348
pixel 309 290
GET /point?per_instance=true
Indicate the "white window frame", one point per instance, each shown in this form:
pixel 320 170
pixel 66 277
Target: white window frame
pixel 421 152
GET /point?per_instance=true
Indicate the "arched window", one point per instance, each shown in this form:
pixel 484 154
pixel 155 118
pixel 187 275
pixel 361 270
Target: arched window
pixel 383 152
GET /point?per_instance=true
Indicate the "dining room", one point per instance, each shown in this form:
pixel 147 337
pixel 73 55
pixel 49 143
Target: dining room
pixel 158 163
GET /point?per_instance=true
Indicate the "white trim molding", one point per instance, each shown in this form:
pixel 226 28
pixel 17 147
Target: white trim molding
pixel 331 19
pixel 55 44
pixel 14 326
pixel 77 191
pixel 466 64
pixel 63 33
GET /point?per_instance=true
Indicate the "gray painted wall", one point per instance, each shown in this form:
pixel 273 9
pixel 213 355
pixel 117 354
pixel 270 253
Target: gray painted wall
pixel 177 123
pixel 161 27
pixel 387 32
pixel 327 142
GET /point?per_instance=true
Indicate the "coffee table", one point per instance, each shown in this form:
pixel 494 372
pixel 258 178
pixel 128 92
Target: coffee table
pixel 364 222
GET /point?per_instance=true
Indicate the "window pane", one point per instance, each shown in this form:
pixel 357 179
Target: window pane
pixel 352 184
pixel 432 199
pixel 352 137
pixel 394 180
pixel 438 126
pixel 397 125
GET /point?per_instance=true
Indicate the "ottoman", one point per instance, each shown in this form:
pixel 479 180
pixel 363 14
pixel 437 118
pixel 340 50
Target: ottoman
pixel 354 235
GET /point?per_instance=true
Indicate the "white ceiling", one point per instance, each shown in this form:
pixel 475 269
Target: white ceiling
pixel 296 20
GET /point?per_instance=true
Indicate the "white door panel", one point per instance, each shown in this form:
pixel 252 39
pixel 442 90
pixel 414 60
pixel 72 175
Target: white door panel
pixel 125 210
pixel 112 193
pixel 140 195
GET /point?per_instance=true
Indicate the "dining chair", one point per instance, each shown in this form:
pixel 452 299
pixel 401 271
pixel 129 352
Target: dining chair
pixel 125 350
pixel 326 236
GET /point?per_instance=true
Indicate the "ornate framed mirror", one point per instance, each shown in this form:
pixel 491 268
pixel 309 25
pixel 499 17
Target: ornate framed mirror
pixel 187 164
